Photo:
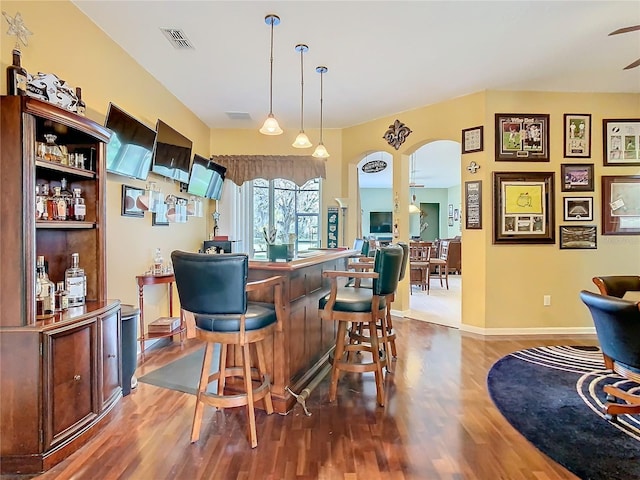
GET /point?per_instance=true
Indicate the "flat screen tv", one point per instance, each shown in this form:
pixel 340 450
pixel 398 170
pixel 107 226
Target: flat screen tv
pixel 206 178
pixel 130 150
pixel 171 154
pixel 380 222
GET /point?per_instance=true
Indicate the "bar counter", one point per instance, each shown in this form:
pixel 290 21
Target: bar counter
pixel 298 352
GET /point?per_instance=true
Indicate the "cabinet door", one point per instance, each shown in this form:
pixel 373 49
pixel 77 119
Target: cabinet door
pixel 70 387
pixel 110 354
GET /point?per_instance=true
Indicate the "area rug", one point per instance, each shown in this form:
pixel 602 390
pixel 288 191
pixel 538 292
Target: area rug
pixel 182 374
pixel 553 396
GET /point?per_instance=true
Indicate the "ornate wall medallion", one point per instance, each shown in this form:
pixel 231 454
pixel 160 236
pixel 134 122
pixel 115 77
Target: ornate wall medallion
pixel 397 134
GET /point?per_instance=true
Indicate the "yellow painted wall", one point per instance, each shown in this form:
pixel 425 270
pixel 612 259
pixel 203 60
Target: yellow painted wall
pixel 503 285
pixel 68 44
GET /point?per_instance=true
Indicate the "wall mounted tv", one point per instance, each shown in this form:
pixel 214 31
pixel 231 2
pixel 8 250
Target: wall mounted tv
pixel 171 154
pixel 206 178
pixel 130 150
pixel 380 222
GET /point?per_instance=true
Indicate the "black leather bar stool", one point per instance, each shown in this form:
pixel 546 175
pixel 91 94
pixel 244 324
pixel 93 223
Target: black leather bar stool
pixel 214 288
pixel 361 306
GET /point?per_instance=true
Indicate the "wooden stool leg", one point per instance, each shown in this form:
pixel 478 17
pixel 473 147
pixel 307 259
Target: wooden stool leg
pixel 338 353
pixel 392 340
pixel 202 388
pixel 222 369
pixel 246 365
pixel 376 359
pixel 262 370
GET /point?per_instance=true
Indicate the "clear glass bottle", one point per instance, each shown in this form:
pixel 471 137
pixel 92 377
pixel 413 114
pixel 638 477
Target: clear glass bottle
pixel 52 151
pixel 81 106
pixel 41 203
pixel 78 208
pixel 62 297
pixel 158 263
pixel 16 76
pixel 45 299
pixel 75 282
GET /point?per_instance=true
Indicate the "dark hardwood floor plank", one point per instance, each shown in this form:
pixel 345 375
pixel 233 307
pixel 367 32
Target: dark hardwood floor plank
pixel 438 424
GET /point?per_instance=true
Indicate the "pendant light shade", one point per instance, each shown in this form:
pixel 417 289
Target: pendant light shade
pixel 301 141
pixel 270 126
pixel 321 151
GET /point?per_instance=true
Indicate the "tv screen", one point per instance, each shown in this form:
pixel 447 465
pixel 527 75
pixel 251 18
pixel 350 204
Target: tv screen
pixel 206 178
pixel 172 153
pixel 380 222
pixel 130 150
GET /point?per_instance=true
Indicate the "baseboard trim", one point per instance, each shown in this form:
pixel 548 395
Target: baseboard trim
pixel 573 331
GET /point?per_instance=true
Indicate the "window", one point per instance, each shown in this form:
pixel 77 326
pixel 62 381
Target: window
pixel 290 210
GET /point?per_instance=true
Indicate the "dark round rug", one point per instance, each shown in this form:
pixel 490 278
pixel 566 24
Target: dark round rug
pixel 553 396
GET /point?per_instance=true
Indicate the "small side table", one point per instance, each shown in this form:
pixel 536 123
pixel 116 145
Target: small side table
pixel 155 280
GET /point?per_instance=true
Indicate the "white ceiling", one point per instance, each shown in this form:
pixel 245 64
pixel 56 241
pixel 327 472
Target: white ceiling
pixel 384 57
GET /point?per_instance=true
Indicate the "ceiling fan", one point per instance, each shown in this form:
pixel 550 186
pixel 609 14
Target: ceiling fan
pixel 632 28
pixel 412 180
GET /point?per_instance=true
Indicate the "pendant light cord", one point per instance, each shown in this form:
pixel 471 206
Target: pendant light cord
pixel 321 92
pixel 271 72
pixel 301 90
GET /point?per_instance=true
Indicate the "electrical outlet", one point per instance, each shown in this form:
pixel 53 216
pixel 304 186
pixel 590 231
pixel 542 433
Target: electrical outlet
pixel 546 300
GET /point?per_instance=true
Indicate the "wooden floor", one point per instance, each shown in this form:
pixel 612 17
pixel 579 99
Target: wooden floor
pixel 438 423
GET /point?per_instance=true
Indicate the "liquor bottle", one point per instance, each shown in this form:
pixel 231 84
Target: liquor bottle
pixel 75 281
pixel 158 263
pixel 81 106
pixel 79 209
pixel 16 76
pixel 47 193
pixel 59 205
pixel 45 300
pixel 67 196
pixel 41 203
pixel 62 297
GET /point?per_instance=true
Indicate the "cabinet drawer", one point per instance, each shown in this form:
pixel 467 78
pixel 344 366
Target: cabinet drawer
pixel 70 387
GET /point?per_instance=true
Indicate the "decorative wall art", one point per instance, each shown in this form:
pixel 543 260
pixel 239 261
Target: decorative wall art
pixel 578 237
pixel 621 141
pixel 130 205
pixel 159 217
pixel 578 209
pixel 473 205
pixel 577 177
pixel 450 223
pixel 473 139
pixel 522 137
pixel 577 135
pixel 523 207
pixel 621 205
pixel 332 227
pixel 396 134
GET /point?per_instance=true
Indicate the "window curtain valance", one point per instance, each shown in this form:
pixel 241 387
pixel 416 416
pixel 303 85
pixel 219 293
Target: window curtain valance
pixel 297 168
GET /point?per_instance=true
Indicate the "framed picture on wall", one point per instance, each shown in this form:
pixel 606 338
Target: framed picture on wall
pixel 621 141
pixel 130 206
pixel 522 137
pixel 473 139
pixel 473 205
pixel 579 209
pixel 621 205
pixel 523 207
pixel 577 135
pixel 577 177
pixel 578 237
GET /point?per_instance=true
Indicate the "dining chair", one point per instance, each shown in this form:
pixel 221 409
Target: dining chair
pixel 214 289
pixel 441 262
pixel 419 265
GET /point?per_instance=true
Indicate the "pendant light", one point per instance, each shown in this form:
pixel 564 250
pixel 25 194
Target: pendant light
pixel 321 151
pixel 413 208
pixel 270 126
pixel 301 141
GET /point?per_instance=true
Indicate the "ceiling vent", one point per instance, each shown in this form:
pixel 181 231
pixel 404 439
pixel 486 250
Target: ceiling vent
pixel 238 115
pixel 177 38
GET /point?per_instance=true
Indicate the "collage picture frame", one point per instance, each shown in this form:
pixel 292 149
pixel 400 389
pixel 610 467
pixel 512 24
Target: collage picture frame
pixel 621 142
pixel 522 137
pixel 621 205
pixel 577 135
pixel 523 207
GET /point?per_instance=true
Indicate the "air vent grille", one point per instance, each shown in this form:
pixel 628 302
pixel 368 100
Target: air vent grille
pixel 238 115
pixel 177 38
